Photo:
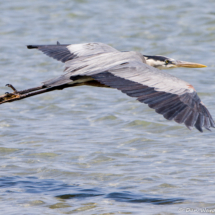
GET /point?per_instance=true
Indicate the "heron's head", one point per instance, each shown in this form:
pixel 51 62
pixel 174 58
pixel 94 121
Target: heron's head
pixel 162 62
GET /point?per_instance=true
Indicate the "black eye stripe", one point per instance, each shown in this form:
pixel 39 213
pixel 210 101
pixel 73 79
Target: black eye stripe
pixel 159 58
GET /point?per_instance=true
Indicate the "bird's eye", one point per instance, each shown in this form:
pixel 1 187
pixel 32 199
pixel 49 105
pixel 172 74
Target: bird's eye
pixel 166 62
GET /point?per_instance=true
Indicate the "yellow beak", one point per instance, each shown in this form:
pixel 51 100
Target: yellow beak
pixel 188 64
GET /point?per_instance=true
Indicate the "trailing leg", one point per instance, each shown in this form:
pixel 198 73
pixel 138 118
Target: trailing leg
pixel 18 95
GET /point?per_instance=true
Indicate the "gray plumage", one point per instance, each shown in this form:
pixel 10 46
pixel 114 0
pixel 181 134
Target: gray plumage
pixel 128 72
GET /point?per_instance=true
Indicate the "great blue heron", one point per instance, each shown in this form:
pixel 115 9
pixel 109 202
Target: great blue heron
pixel 137 75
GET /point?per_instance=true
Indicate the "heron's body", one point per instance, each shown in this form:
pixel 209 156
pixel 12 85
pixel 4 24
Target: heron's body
pixel 100 65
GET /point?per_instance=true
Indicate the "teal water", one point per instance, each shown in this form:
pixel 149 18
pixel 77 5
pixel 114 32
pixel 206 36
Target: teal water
pixel 97 151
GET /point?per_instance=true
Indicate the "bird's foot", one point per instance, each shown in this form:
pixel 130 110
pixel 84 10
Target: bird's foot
pixel 7 97
pixel 12 87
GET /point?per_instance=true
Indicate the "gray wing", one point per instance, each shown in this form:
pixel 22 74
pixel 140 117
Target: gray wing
pixel 181 107
pixel 172 97
pixel 67 52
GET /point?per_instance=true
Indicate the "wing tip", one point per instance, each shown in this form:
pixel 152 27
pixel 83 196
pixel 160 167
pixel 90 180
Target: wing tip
pixel 32 46
pixel 37 46
pixel 199 128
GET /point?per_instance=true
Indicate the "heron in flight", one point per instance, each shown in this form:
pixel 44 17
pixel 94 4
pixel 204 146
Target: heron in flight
pixel 137 75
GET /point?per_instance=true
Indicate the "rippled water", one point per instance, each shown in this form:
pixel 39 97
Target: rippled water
pixel 97 151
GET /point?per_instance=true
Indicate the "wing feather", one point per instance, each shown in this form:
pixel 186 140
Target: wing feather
pixel 200 122
pixel 168 99
pixel 173 112
pixel 191 119
pixel 182 116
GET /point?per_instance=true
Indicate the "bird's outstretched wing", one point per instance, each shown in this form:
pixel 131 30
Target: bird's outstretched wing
pixel 66 52
pixel 183 107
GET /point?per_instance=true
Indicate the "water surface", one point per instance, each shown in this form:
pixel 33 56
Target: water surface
pixel 97 151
